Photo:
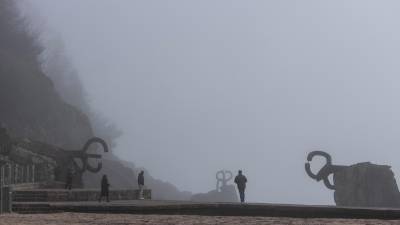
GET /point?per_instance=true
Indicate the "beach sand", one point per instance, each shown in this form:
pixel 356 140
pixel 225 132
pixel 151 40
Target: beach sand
pixel 125 219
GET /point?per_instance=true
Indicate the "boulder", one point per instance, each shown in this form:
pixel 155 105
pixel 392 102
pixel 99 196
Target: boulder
pixel 227 194
pixel 366 185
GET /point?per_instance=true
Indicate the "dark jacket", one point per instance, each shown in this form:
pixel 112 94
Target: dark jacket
pixel 104 184
pixel 5 141
pixel 241 180
pixel 140 179
pixel 69 176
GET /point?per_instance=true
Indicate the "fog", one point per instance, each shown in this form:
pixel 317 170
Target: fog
pixel 198 86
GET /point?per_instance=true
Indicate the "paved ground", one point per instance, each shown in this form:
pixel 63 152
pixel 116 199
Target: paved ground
pixel 125 219
pixel 142 207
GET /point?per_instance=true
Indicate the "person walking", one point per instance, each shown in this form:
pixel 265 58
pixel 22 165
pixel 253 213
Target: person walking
pixel 241 181
pixel 141 184
pixel 104 188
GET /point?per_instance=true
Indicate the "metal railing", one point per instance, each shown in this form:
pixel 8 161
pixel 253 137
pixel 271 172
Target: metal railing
pixel 12 174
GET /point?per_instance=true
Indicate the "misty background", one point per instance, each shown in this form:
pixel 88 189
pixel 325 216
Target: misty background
pixel 199 86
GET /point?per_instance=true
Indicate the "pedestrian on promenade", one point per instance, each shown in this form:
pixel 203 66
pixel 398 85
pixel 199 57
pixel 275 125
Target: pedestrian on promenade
pixel 104 188
pixel 68 182
pixel 241 181
pixel 5 140
pixel 141 184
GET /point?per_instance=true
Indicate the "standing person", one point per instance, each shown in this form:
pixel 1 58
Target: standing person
pixel 5 140
pixel 241 181
pixel 141 184
pixel 68 183
pixel 104 188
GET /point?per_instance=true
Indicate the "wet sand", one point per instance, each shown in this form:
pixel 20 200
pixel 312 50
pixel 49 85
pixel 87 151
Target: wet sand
pixel 125 219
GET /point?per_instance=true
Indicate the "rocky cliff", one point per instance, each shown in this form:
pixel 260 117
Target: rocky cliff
pixel 29 104
pixel 36 104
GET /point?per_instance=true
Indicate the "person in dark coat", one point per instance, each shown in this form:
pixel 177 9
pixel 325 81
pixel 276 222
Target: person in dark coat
pixel 5 140
pixel 241 181
pixel 141 184
pixel 104 188
pixel 68 182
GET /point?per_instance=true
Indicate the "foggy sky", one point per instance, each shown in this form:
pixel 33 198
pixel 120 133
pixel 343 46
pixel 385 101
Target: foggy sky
pixel 199 86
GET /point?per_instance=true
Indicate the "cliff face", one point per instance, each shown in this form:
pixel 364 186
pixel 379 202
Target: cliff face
pixel 41 98
pixel 29 104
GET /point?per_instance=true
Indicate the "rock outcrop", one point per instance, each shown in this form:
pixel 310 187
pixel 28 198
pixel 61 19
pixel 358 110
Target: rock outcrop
pixel 359 185
pixel 227 194
pixel 366 185
pixel 223 192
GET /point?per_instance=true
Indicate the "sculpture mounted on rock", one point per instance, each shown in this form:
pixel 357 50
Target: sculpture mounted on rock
pixel 223 176
pixel 65 160
pixel 51 164
pixel 223 192
pixel 359 185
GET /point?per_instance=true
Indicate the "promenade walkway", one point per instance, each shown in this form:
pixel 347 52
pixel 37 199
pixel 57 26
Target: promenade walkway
pixel 207 209
pixel 136 219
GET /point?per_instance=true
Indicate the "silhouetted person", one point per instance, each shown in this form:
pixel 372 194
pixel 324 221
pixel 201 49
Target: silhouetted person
pixel 104 188
pixel 141 184
pixel 68 182
pixel 241 181
pixel 5 140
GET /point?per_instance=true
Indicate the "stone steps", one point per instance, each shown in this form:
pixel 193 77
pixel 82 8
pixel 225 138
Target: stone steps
pixel 32 208
pixel 41 200
pixel 38 196
pixel 75 195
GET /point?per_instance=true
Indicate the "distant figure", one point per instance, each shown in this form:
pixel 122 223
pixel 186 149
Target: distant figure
pixel 241 181
pixel 104 188
pixel 68 182
pixel 140 181
pixel 3 134
pixel 5 140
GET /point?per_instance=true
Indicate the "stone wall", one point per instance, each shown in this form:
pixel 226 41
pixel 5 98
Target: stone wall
pixel 76 195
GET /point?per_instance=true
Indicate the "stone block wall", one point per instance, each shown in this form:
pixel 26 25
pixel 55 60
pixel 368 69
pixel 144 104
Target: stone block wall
pixel 75 195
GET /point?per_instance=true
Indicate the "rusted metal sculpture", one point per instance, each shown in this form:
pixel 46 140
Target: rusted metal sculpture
pixel 360 185
pixel 84 157
pixel 62 157
pixel 223 176
pixel 53 163
pixel 325 171
pixel 224 192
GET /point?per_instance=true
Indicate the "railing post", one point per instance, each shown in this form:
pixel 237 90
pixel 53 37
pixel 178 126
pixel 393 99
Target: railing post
pixel 1 191
pixel 2 175
pixel 33 173
pixel 23 174
pixel 9 174
pixel 12 173
pixel 9 192
pixel 27 174
pixel 15 173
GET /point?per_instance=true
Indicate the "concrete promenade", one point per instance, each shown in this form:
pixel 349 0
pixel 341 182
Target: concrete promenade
pixel 137 219
pixel 207 209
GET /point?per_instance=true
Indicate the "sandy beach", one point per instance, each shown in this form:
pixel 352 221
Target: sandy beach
pixel 126 219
